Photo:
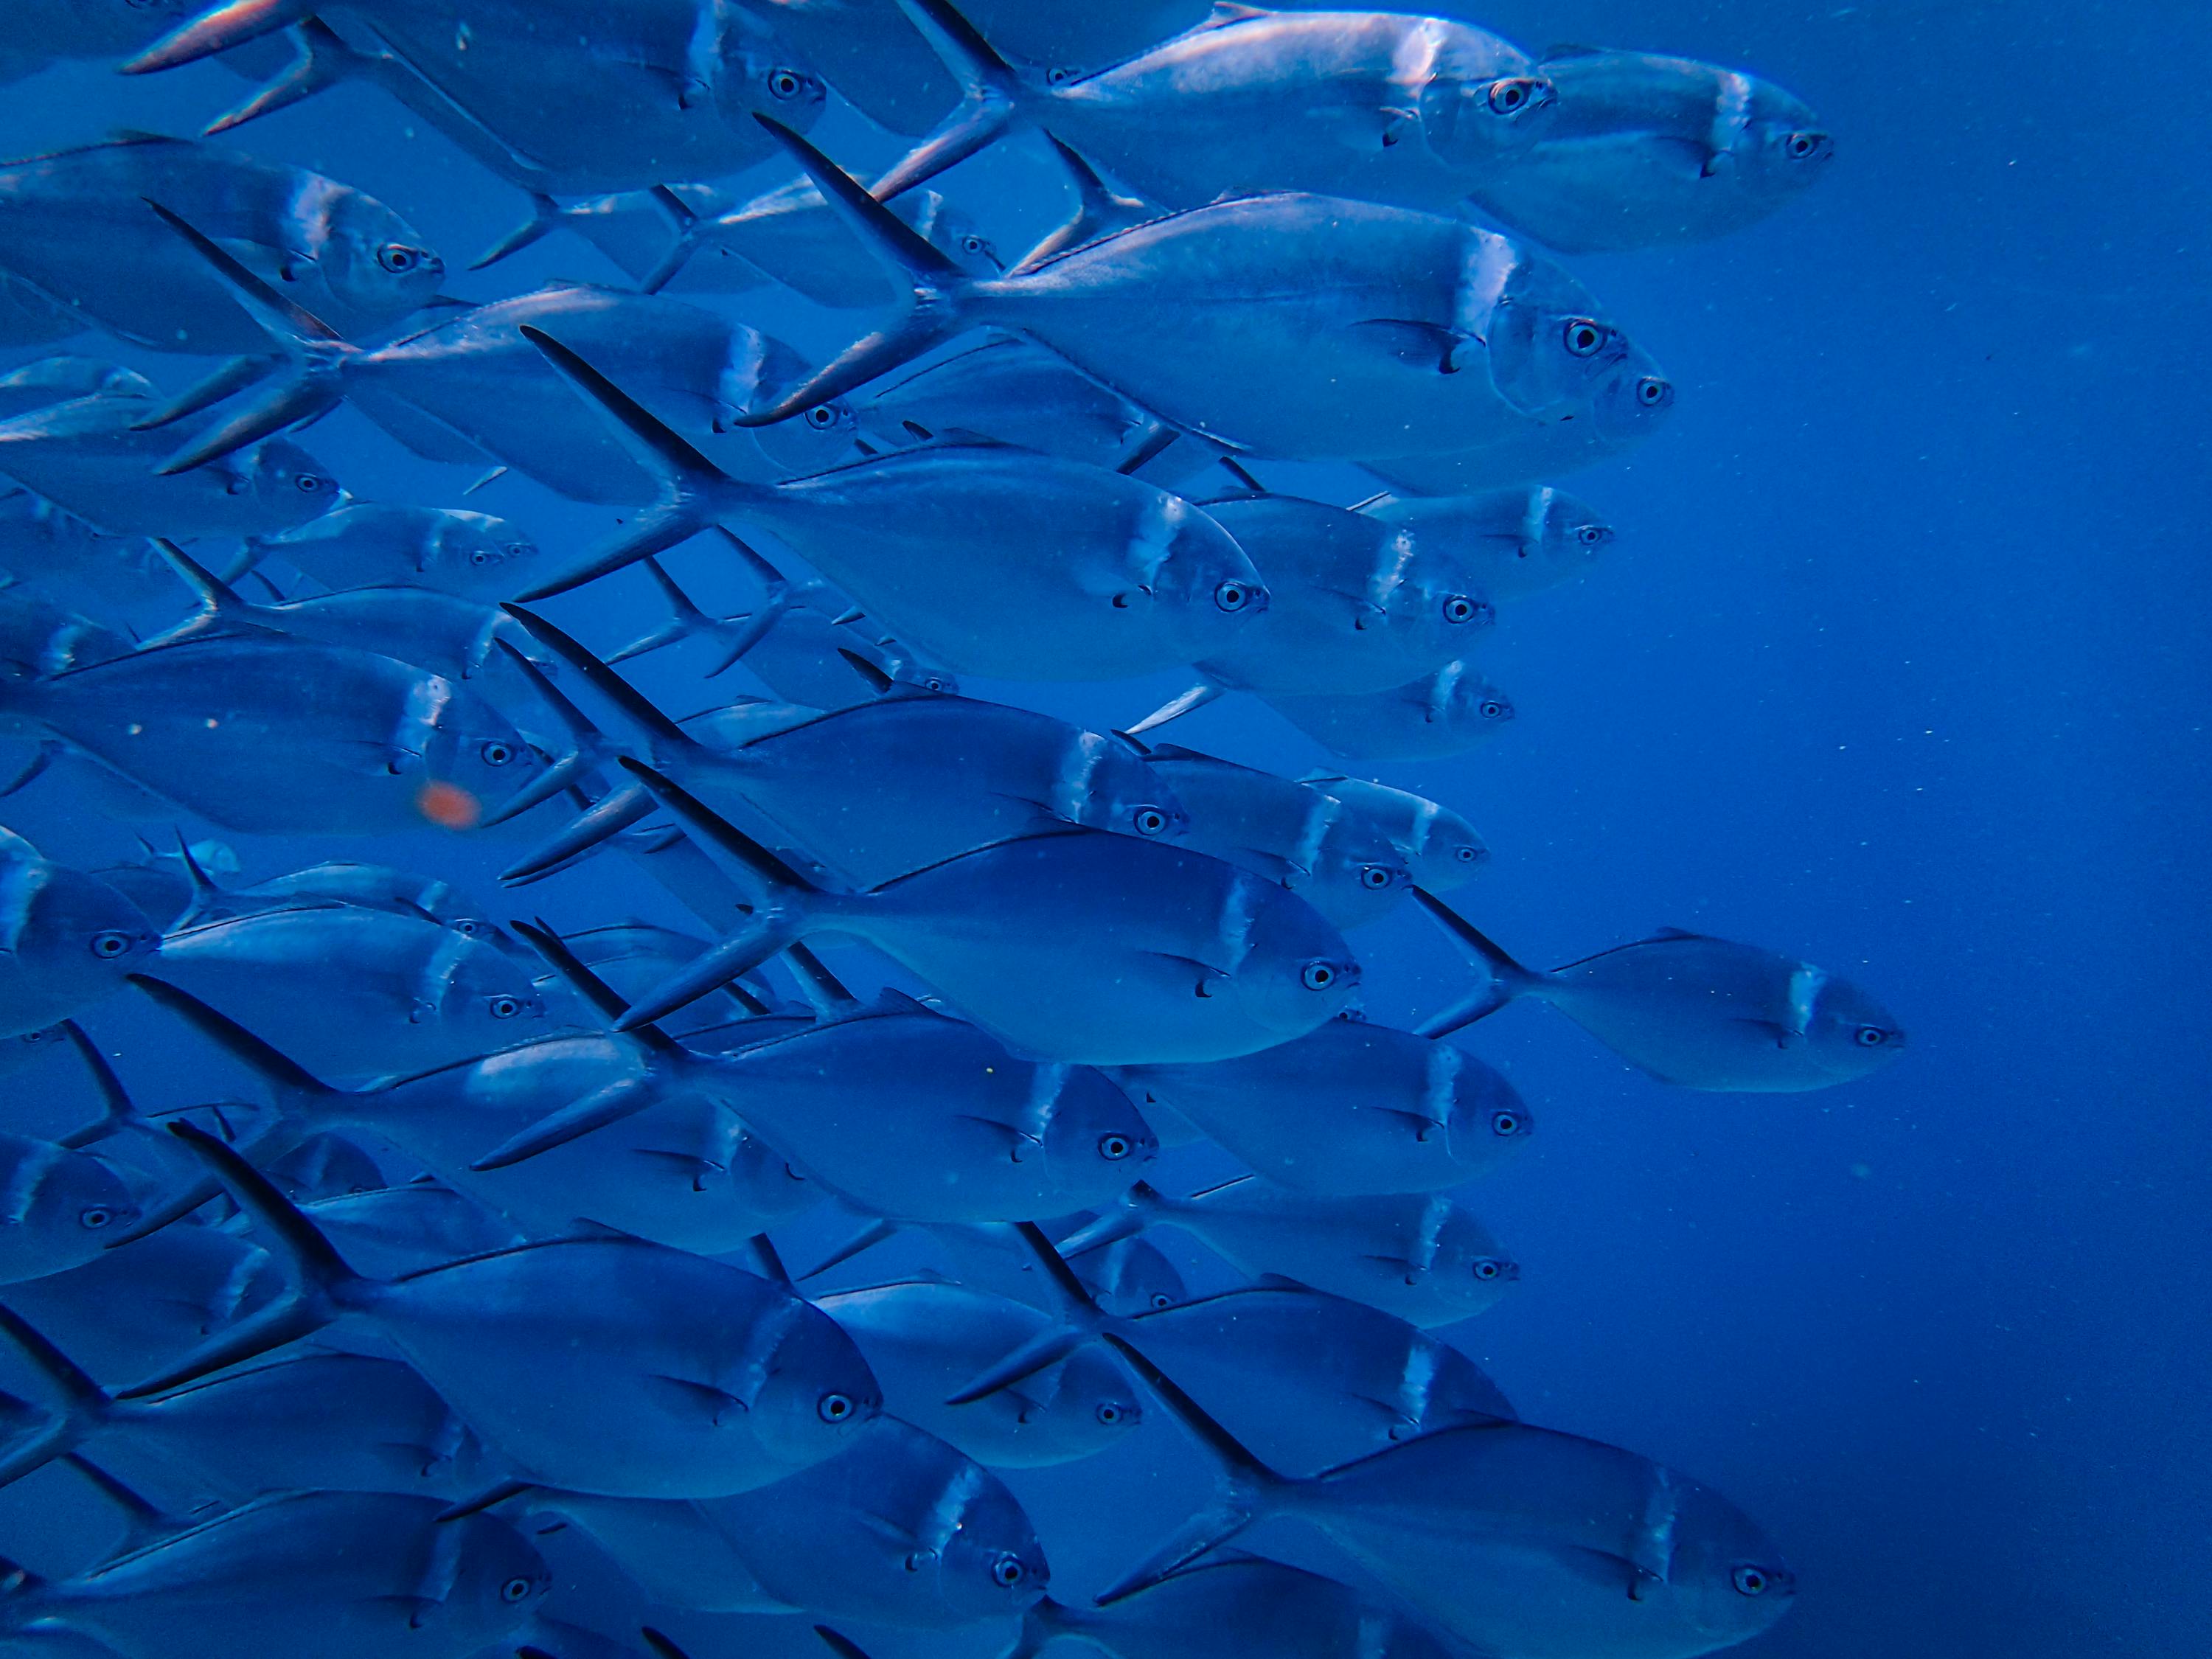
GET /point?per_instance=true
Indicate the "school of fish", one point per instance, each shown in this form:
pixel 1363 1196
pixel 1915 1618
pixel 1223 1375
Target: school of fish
pixel 482 1261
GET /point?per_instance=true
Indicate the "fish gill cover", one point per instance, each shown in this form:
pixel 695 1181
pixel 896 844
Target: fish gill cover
pixel 777 772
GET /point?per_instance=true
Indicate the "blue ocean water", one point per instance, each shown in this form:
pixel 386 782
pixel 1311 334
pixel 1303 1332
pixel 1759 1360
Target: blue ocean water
pixel 1895 664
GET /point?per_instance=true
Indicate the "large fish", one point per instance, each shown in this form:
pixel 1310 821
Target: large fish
pixel 899 1529
pixel 1286 831
pixel 1647 150
pixel 598 1364
pixel 75 224
pixel 355 994
pixel 1367 105
pixel 382 544
pixel 271 735
pixel 1301 326
pixel 1089 948
pixel 1438 845
pixel 1349 1108
pixel 1422 1257
pixel 879 790
pixel 331 1422
pixel 1442 714
pixel 1510 544
pixel 1515 1539
pixel 924 1338
pixel 368 1573
pixel 90 456
pixel 1695 1011
pixel 66 939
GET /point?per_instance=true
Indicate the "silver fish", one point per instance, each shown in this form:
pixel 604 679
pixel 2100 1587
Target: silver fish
pixel 380 543
pixel 1349 1108
pixel 696 1379
pixel 1695 1011
pixel 59 1204
pixel 1438 845
pixel 74 224
pixel 1511 543
pixel 66 939
pixel 1419 1256
pixel 72 563
pixel 1647 150
pixel 1446 714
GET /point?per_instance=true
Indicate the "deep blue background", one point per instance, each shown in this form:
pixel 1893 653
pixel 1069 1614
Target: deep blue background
pixel 1897 664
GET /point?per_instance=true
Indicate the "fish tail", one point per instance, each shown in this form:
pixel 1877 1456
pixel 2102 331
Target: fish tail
pixel 232 378
pixel 1508 978
pixel 1077 1308
pixel 991 92
pixel 938 287
pixel 600 823
pixel 118 1112
pixel 1134 1216
pixel 545 218
pixel 84 1405
pixel 1197 697
pixel 218 30
pixel 325 1286
pixel 876 1232
pixel 688 238
pixel 321 62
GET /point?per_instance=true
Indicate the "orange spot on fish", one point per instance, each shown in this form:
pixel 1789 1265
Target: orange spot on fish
pixel 448 805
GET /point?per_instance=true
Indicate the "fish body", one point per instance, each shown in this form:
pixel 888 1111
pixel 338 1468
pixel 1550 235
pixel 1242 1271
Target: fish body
pixel 86 457
pixel 75 226
pixel 1647 150
pixel 147 1303
pixel 1445 713
pixel 381 544
pixel 924 1338
pixel 1349 1108
pixel 66 939
pixel 66 559
pixel 367 886
pixel 1242 1604
pixel 1439 846
pixel 390 1231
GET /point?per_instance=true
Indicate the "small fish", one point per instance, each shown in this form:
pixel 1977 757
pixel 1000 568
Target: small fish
pixel 357 993
pixel 1446 714
pixel 371 1573
pixel 1420 1256
pixel 67 938
pixel 1088 948
pixel 381 544
pixel 1694 1011
pixel 923 1337
pixel 1511 543
pixel 696 1379
pixel 366 886
pixel 1506 1535
pixel 1438 845
pixel 89 456
pixel 1645 151
pixel 74 224
pixel 1286 831
pixel 1366 105
pixel 1349 1108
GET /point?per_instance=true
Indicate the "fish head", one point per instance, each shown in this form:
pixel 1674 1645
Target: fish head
pixel 1441 845
pixel 1562 532
pixel 1634 401
pixel 289 483
pixel 70 922
pixel 951 231
pixel 475 552
pixel 1777 146
pixel 373 260
pixel 1724 1576
pixel 1466 1263
pixel 1095 1141
pixel 1179 558
pixel 984 1550
pixel 488 992
pixel 1466 703
pixel 757 72
pixel 1130 1277
pixel 1473 121
pixel 815 1392
pixel 1103 784
pixel 465 757
pixel 1484 1116
pixel 1851 1034
pixel 1553 350
pixel 1095 1392
pixel 1431 603
pixel 491 1579
pixel 57 1208
pixel 815 440
pixel 1296 972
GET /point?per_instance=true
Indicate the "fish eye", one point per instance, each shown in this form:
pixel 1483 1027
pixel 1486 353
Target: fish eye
pixel 833 1407
pixel 820 417
pixel 1869 1036
pixel 307 483
pixel 1109 1413
pixel 1492 709
pixel 1317 977
pixel 1803 146
pixel 1006 1572
pixel 1374 878
pixel 1651 391
pixel 1485 1268
pixel 1593 535
pixel 1059 77
pixel 1150 821
pixel 1504 1123
pixel 111 945
pixel 399 259
pixel 1468 855
pixel 505 1007
pixel 1162 1299
pixel 515 1589
pixel 496 753
pixel 1115 1147
pixel 786 83
pixel 1512 97
pixel 480 557
pixel 971 245
pixel 1232 596
pixel 1749 1581
pixel 1585 337
pixel 1459 609
pixel 465 927
pixel 95 1217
